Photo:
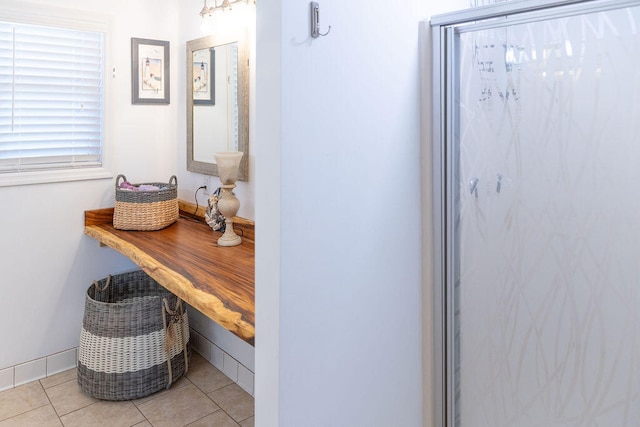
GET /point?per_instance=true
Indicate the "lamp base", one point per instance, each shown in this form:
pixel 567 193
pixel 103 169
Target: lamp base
pixel 232 240
pixel 228 205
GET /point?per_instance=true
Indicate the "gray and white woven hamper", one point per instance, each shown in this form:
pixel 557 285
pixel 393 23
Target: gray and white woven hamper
pixel 134 339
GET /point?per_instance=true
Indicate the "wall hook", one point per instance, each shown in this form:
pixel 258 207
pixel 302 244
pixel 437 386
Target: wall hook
pixel 315 21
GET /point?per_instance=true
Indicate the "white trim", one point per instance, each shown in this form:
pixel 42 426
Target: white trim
pixel 270 52
pixel 499 10
pixel 426 168
pixel 49 176
pixel 8 376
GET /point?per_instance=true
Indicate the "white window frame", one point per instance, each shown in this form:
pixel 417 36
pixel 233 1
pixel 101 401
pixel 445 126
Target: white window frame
pixel 45 15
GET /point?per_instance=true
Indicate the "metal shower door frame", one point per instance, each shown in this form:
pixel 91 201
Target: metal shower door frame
pixel 445 31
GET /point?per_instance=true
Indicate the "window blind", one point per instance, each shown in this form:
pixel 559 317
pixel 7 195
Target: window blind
pixel 51 98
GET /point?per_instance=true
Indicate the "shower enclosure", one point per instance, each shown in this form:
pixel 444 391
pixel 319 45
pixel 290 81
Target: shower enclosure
pixel 537 183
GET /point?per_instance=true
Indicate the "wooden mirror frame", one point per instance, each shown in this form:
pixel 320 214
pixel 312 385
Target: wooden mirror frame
pixel 243 100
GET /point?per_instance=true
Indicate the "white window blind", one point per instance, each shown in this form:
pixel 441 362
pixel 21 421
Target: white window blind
pixel 51 98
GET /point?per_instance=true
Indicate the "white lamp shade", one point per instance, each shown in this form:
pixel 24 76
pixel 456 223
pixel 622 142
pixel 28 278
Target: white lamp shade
pixel 228 163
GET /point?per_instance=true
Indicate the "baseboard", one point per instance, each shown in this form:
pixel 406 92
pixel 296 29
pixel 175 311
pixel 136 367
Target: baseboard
pixel 37 369
pixel 236 371
pixel 43 367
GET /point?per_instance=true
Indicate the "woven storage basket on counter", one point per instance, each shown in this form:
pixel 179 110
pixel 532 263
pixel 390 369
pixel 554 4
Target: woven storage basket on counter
pixel 146 210
pixel 134 339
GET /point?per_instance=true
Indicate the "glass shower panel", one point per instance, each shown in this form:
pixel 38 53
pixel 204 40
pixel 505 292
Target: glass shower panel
pixel 547 235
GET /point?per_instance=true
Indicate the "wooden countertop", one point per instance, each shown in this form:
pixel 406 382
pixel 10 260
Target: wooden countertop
pixel 185 259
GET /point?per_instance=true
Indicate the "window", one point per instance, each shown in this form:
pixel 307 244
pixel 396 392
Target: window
pixel 51 99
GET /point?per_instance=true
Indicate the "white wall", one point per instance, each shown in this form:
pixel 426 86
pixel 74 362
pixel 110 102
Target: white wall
pixel 339 300
pixel 47 263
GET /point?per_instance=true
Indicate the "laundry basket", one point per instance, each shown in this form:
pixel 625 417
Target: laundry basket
pixel 134 339
pixel 146 210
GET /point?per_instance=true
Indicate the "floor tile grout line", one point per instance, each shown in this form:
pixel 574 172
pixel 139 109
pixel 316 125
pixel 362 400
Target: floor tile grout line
pixel 208 415
pixel 216 403
pixel 221 408
pixel 141 413
pixel 84 407
pixel 53 406
pixel 207 392
pixel 211 398
pixel 136 406
pixel 243 420
pixel 36 408
pixel 151 396
pixel 26 412
pixel 218 389
pixel 44 390
pixel 23 413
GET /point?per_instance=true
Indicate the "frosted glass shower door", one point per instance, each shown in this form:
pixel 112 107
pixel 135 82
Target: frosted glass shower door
pixel 546 236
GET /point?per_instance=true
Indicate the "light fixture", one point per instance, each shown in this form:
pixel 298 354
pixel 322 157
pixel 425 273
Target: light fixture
pixel 225 5
pixel 209 14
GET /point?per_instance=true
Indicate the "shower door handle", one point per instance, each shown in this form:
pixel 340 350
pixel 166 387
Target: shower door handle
pixel 473 186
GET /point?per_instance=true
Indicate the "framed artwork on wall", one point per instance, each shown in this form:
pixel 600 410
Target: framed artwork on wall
pixel 204 70
pixel 149 71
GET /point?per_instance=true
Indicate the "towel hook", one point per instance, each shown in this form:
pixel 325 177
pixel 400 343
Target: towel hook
pixel 315 21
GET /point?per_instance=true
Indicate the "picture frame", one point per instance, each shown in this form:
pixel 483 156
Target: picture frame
pixel 204 81
pixel 150 74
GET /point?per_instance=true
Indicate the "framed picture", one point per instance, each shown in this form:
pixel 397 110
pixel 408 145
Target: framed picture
pixel 204 71
pixel 149 71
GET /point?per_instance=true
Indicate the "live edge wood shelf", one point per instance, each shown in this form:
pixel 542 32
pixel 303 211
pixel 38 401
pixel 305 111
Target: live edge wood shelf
pixel 185 259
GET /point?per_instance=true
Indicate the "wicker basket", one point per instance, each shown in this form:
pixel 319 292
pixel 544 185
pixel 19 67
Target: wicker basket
pixel 134 339
pixel 146 210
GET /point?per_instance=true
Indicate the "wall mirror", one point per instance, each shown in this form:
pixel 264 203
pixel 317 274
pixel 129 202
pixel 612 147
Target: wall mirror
pixel 217 101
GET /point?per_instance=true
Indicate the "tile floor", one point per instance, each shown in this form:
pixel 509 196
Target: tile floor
pixel 205 397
